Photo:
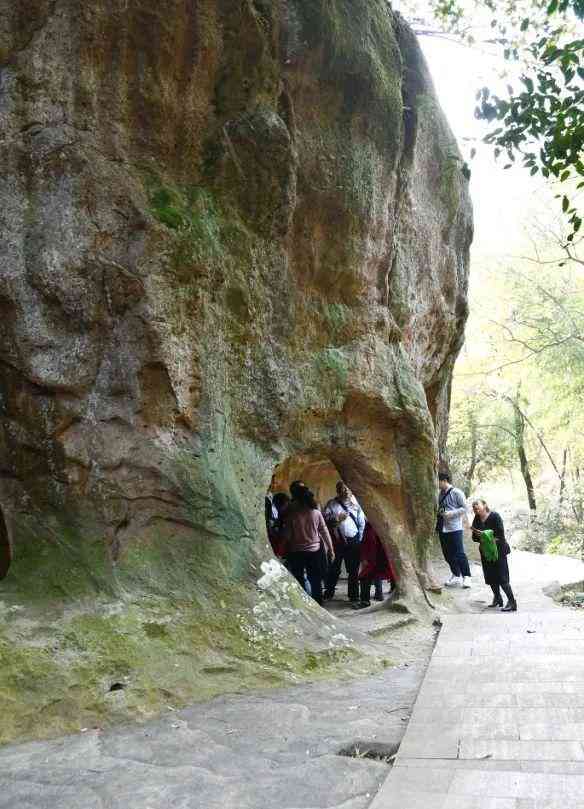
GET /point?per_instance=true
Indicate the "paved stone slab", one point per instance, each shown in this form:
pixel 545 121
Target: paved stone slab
pixel 502 749
pixel 499 720
pixel 552 731
pixel 550 804
pixel 506 784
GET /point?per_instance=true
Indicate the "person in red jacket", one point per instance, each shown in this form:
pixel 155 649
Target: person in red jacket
pixel 373 566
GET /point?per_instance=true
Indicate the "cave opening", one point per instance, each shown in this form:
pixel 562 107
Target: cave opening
pixel 317 472
pixel 347 582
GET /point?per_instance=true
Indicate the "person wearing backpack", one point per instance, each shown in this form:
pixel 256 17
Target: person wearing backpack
pixel 451 510
pixel 346 522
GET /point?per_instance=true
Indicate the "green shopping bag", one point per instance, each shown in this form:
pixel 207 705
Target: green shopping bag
pixel 489 548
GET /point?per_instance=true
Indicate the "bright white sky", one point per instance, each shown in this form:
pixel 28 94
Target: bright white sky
pixel 502 199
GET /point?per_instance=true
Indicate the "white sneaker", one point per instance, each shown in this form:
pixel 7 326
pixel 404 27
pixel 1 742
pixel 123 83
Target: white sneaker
pixel 453 581
pixel 466 582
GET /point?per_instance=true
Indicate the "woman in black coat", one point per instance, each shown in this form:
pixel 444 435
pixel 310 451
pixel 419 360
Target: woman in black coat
pixel 496 573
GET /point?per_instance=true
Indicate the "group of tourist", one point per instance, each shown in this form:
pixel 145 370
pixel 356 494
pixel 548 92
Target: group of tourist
pixel 314 544
pixel 487 529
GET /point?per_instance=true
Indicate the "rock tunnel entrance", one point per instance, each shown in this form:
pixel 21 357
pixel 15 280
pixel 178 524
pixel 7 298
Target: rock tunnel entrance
pixel 318 473
pixel 364 565
pixel 5 547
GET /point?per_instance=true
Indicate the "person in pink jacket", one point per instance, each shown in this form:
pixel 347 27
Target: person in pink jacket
pixel 304 531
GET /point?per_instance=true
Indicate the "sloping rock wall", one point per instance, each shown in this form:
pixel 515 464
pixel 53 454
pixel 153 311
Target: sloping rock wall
pixel 232 232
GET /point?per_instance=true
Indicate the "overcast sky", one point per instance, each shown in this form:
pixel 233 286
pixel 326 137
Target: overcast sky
pixel 502 199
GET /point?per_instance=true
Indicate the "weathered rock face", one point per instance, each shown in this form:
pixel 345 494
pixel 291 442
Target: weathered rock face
pixel 232 233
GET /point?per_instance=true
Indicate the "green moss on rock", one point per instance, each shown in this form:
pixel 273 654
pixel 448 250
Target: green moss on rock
pixel 333 369
pixel 57 666
pixel 362 56
pixel 192 213
pixel 338 317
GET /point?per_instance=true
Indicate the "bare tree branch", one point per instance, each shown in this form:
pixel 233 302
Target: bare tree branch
pixel 515 404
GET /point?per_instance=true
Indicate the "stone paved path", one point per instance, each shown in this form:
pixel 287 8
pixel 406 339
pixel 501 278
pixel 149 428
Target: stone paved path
pixel 499 720
pixel 498 724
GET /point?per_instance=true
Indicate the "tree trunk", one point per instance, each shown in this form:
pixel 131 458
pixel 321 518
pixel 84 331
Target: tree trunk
pixel 527 477
pixel 472 465
pixel 523 462
pixel 525 420
pixel 576 497
pixel 563 478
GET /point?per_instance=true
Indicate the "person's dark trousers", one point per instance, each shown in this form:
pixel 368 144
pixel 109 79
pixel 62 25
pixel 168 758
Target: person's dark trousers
pixel 497 598
pixel 352 557
pixel 308 561
pixel 506 588
pixel 378 589
pixel 447 552
pixel 349 554
pixel 365 588
pixel 453 550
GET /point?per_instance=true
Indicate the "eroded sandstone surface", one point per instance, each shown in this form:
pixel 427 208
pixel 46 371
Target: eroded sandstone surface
pixel 233 233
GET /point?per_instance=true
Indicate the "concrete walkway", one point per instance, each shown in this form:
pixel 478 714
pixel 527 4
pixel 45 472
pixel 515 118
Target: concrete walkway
pixel 499 720
pixel 497 725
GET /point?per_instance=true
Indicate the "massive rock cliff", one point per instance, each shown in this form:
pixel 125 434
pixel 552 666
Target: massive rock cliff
pixel 234 236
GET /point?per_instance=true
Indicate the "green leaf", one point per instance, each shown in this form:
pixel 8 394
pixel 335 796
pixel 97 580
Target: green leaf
pixel 565 204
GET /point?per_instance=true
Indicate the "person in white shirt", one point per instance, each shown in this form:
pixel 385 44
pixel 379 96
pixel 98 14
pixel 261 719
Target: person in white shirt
pixel 346 522
pixel 451 510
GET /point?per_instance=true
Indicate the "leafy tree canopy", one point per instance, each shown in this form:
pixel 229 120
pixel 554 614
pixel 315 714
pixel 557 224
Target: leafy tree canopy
pixel 519 384
pixel 539 121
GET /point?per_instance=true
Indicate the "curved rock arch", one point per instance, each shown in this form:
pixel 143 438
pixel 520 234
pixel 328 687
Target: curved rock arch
pixel 384 447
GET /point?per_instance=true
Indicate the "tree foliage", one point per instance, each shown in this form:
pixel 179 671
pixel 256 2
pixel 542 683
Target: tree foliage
pixel 480 438
pixel 521 382
pixel 539 121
